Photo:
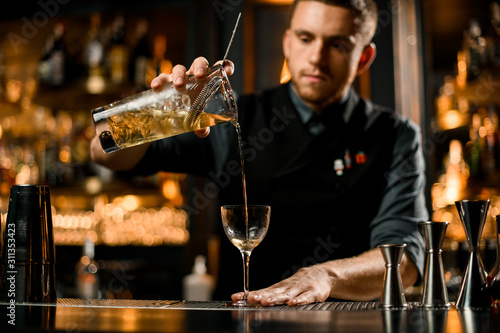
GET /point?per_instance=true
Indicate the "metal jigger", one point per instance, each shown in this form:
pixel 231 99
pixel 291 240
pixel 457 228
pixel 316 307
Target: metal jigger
pixel 393 295
pixel 473 293
pixel 435 292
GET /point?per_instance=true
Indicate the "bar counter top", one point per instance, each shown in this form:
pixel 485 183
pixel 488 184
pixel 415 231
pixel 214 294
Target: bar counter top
pixel 77 315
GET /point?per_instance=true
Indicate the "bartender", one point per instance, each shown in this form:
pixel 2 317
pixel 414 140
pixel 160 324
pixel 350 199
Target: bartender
pixel 341 174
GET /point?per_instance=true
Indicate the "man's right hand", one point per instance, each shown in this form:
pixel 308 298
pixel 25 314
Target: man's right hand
pixel 126 159
pixel 199 68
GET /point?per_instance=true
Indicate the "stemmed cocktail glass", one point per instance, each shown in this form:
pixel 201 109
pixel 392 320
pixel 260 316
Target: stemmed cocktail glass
pixel 246 227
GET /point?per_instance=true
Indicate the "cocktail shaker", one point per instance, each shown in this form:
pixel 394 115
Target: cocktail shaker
pixel 28 257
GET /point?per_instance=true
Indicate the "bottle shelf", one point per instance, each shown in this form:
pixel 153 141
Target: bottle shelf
pixel 9 109
pixel 483 90
pixel 76 96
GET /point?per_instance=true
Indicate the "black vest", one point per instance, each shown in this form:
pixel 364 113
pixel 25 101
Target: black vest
pixel 316 214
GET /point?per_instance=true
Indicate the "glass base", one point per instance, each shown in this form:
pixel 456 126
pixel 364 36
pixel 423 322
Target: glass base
pixel 243 304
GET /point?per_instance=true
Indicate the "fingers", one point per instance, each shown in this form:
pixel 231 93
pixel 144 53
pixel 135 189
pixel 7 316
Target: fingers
pixel 228 66
pixel 199 67
pixel 161 80
pixel 203 132
pixel 291 297
pixel 179 76
pixel 237 297
pixel 272 295
pixel 272 298
pixel 304 298
pixel 283 293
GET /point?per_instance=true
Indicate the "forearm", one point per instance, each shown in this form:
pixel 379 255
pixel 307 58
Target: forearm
pixel 360 278
pixel 120 160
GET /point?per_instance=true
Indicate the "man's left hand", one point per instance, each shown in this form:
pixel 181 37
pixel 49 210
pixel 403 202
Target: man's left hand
pixel 308 285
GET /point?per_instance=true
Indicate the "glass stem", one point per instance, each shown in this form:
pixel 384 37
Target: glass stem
pixel 245 255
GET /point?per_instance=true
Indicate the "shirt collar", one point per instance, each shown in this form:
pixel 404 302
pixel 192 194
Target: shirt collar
pixel 306 113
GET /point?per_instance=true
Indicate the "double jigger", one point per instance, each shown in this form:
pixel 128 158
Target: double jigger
pixel 435 293
pixel 473 293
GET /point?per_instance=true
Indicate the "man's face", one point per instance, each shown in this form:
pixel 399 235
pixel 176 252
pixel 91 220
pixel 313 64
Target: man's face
pixel 322 52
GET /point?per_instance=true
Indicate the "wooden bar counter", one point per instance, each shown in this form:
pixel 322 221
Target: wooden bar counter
pixel 76 315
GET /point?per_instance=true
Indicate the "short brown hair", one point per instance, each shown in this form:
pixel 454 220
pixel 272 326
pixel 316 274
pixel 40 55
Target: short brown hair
pixel 365 13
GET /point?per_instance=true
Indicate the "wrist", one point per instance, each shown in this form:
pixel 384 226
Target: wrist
pixel 329 274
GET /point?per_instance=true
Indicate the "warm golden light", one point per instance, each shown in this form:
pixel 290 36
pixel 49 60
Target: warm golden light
pixel 14 88
pixel 462 71
pixel 24 175
pixel 455 152
pixel 65 155
pixel 85 260
pixel 482 131
pixel 131 202
pixel 95 84
pixel 452 119
pixel 285 73
pixel 93 185
pixel 170 189
pixel 115 226
pixel 452 191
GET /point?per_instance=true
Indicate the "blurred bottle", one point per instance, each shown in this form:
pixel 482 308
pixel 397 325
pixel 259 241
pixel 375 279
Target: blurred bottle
pixel 117 54
pixel 474 49
pixel 44 64
pixel 494 275
pixel 58 56
pixel 474 148
pixel 27 166
pixel 493 36
pixel 58 162
pixel 7 169
pixel 3 79
pixel 87 279
pixel 51 69
pixel 490 126
pixel 449 113
pixel 141 54
pixel 158 64
pixel 198 286
pixel 456 174
pixel 80 143
pixel 93 55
